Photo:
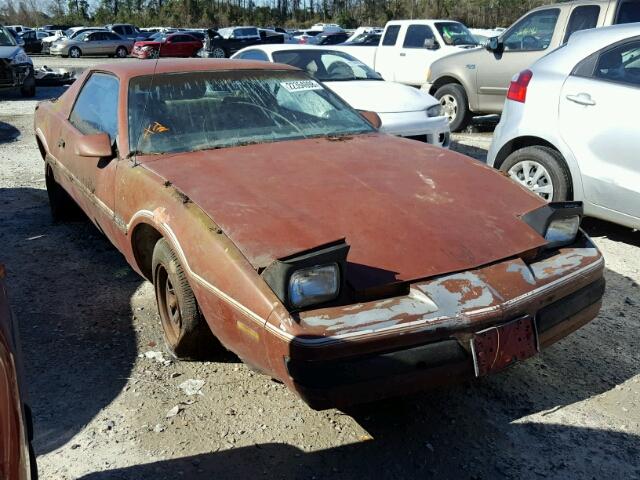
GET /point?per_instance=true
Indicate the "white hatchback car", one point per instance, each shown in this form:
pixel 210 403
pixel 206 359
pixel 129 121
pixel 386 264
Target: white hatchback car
pixel 570 127
pixel 404 111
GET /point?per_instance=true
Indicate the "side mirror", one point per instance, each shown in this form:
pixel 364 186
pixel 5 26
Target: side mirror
pixel 86 39
pixel 431 44
pixel 95 145
pixel 371 117
pixel 494 44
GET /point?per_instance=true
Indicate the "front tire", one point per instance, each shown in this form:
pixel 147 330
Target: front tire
pixel 121 52
pixel 74 52
pixel 455 104
pixel 185 330
pixel 541 170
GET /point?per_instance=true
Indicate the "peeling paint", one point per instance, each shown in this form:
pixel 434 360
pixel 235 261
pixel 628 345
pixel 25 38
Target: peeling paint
pixel 523 270
pixel 561 263
pixel 391 310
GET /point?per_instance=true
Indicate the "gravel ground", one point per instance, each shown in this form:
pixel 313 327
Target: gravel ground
pixel 103 402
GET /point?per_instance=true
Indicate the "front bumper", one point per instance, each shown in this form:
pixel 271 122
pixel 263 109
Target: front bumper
pixel 429 348
pixel 417 125
pixel 14 76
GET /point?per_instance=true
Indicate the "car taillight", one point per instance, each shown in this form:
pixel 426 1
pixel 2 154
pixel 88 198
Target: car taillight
pixel 518 88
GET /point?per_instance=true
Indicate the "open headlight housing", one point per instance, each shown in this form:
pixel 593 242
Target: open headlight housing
pixel 557 222
pixel 435 111
pixel 311 277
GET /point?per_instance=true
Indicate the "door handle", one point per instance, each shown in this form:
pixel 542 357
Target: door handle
pixel 582 99
pixel 402 54
pixel 61 143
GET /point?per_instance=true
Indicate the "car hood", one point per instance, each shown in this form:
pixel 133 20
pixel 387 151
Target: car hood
pixel 9 51
pixel 382 96
pixel 408 210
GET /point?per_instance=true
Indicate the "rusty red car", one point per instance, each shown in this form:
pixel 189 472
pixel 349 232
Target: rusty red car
pixel 17 459
pixel 271 216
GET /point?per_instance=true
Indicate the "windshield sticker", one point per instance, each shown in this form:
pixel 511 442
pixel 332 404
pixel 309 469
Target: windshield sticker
pixel 300 85
pixel 155 127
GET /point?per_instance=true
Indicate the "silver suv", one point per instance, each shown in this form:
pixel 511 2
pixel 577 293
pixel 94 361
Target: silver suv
pixel 475 82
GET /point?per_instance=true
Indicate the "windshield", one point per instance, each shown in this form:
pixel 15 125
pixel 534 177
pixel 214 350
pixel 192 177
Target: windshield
pixel 327 65
pixel 6 39
pixel 182 112
pixel 454 33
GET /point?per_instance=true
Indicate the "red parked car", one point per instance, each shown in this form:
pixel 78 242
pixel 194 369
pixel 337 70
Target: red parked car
pixel 163 45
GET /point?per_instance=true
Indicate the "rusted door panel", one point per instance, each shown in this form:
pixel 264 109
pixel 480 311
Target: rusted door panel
pixel 94 179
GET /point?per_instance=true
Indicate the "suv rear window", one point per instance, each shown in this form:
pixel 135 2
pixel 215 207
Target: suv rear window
pixel 629 12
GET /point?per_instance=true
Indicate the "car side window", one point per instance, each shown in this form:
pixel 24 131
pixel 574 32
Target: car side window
pixel 582 18
pixel 533 32
pixel 118 29
pixel 391 35
pixel 416 36
pixel 620 64
pixel 96 108
pixel 254 55
pixel 110 36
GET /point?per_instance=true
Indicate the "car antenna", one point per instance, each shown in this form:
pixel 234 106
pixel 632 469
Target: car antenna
pixel 144 108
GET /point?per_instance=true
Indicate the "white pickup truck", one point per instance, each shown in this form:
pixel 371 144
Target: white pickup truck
pixel 408 47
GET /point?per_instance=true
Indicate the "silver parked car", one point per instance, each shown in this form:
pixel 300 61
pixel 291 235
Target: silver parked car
pixel 93 43
pixel 570 130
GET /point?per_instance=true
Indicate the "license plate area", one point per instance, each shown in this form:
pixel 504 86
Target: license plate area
pixel 495 348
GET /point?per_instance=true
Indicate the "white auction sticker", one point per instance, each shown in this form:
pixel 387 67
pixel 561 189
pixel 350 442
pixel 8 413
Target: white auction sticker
pixel 300 85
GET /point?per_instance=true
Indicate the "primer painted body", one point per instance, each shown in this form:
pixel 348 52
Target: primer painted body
pixel 406 209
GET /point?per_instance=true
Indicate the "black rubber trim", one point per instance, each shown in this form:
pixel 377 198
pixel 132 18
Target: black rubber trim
pixel 551 315
pixel 322 374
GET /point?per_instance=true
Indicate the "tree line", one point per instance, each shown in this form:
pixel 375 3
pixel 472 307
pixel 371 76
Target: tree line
pixel 283 13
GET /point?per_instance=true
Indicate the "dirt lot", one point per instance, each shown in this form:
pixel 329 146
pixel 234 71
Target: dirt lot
pixel 100 404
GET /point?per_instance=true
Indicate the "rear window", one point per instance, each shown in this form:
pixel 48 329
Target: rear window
pixel 629 12
pixel 416 36
pixel 391 35
pixel 582 18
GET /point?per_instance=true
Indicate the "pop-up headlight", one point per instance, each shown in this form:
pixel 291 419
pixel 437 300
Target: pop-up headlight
pixel 557 222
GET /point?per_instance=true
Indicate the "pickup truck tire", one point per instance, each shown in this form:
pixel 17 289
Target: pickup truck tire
pixel 186 332
pixel 454 101
pixel 540 169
